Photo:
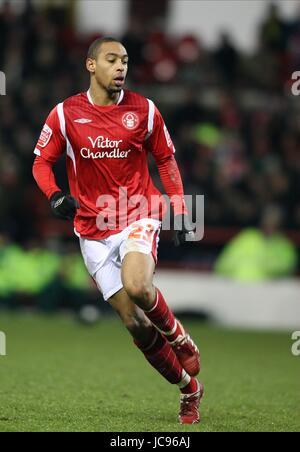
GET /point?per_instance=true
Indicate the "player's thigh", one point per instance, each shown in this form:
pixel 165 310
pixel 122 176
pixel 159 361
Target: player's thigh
pixel 138 255
pixel 137 272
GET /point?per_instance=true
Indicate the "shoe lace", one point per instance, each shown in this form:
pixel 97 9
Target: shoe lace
pixel 187 406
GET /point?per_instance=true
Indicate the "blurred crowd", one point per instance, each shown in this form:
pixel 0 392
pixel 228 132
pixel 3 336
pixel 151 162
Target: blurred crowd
pixel 49 277
pixel 234 121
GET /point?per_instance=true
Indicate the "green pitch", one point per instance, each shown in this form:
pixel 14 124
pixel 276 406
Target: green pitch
pixel 62 376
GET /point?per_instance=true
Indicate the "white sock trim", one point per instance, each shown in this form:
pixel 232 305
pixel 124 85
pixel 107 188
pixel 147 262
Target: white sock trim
pixel 185 380
pixel 155 305
pixel 169 333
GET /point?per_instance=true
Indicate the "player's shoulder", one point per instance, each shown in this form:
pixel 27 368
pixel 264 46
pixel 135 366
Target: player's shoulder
pixel 76 100
pixel 136 100
pixel 72 103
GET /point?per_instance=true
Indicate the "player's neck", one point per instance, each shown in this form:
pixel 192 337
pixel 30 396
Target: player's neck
pixel 101 97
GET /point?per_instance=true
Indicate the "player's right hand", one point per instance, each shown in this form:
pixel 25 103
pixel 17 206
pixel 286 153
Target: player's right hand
pixel 64 206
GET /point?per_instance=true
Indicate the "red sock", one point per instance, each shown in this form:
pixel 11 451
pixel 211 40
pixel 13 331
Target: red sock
pixel 162 357
pixel 191 387
pixel 163 318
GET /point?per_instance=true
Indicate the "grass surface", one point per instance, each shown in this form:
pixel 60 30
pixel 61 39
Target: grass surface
pixel 61 376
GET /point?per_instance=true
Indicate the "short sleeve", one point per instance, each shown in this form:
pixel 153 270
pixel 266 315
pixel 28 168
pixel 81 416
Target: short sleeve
pixel 159 142
pixel 51 144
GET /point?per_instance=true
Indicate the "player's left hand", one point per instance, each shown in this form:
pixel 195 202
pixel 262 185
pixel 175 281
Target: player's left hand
pixel 184 231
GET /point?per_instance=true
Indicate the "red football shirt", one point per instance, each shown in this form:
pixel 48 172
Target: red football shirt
pixel 107 159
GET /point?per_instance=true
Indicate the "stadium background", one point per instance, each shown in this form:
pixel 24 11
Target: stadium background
pixel 226 98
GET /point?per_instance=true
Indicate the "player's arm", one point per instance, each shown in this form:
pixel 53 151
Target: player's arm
pixel 160 144
pixel 50 147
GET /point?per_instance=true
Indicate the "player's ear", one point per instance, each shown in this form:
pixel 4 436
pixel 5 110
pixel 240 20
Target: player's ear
pixel 91 65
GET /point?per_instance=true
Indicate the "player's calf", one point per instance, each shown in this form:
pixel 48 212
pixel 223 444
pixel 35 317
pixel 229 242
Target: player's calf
pixel 133 318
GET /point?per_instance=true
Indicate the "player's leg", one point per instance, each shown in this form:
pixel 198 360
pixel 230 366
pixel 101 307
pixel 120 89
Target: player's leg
pixel 157 350
pixel 160 354
pixel 137 278
pixel 133 318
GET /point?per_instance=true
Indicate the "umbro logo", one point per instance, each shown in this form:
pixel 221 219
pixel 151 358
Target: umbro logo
pixel 82 120
pixel 59 202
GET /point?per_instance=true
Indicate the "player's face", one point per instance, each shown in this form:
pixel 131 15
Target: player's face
pixel 110 67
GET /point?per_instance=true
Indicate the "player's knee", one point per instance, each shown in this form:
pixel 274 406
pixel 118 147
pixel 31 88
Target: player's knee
pixel 139 292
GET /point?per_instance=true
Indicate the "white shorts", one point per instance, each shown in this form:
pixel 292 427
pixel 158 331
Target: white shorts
pixel 103 258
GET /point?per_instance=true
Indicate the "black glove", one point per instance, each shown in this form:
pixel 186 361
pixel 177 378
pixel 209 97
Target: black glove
pixel 64 206
pixel 184 231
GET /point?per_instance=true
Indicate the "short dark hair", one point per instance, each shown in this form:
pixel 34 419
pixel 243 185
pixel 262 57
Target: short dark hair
pixel 96 45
